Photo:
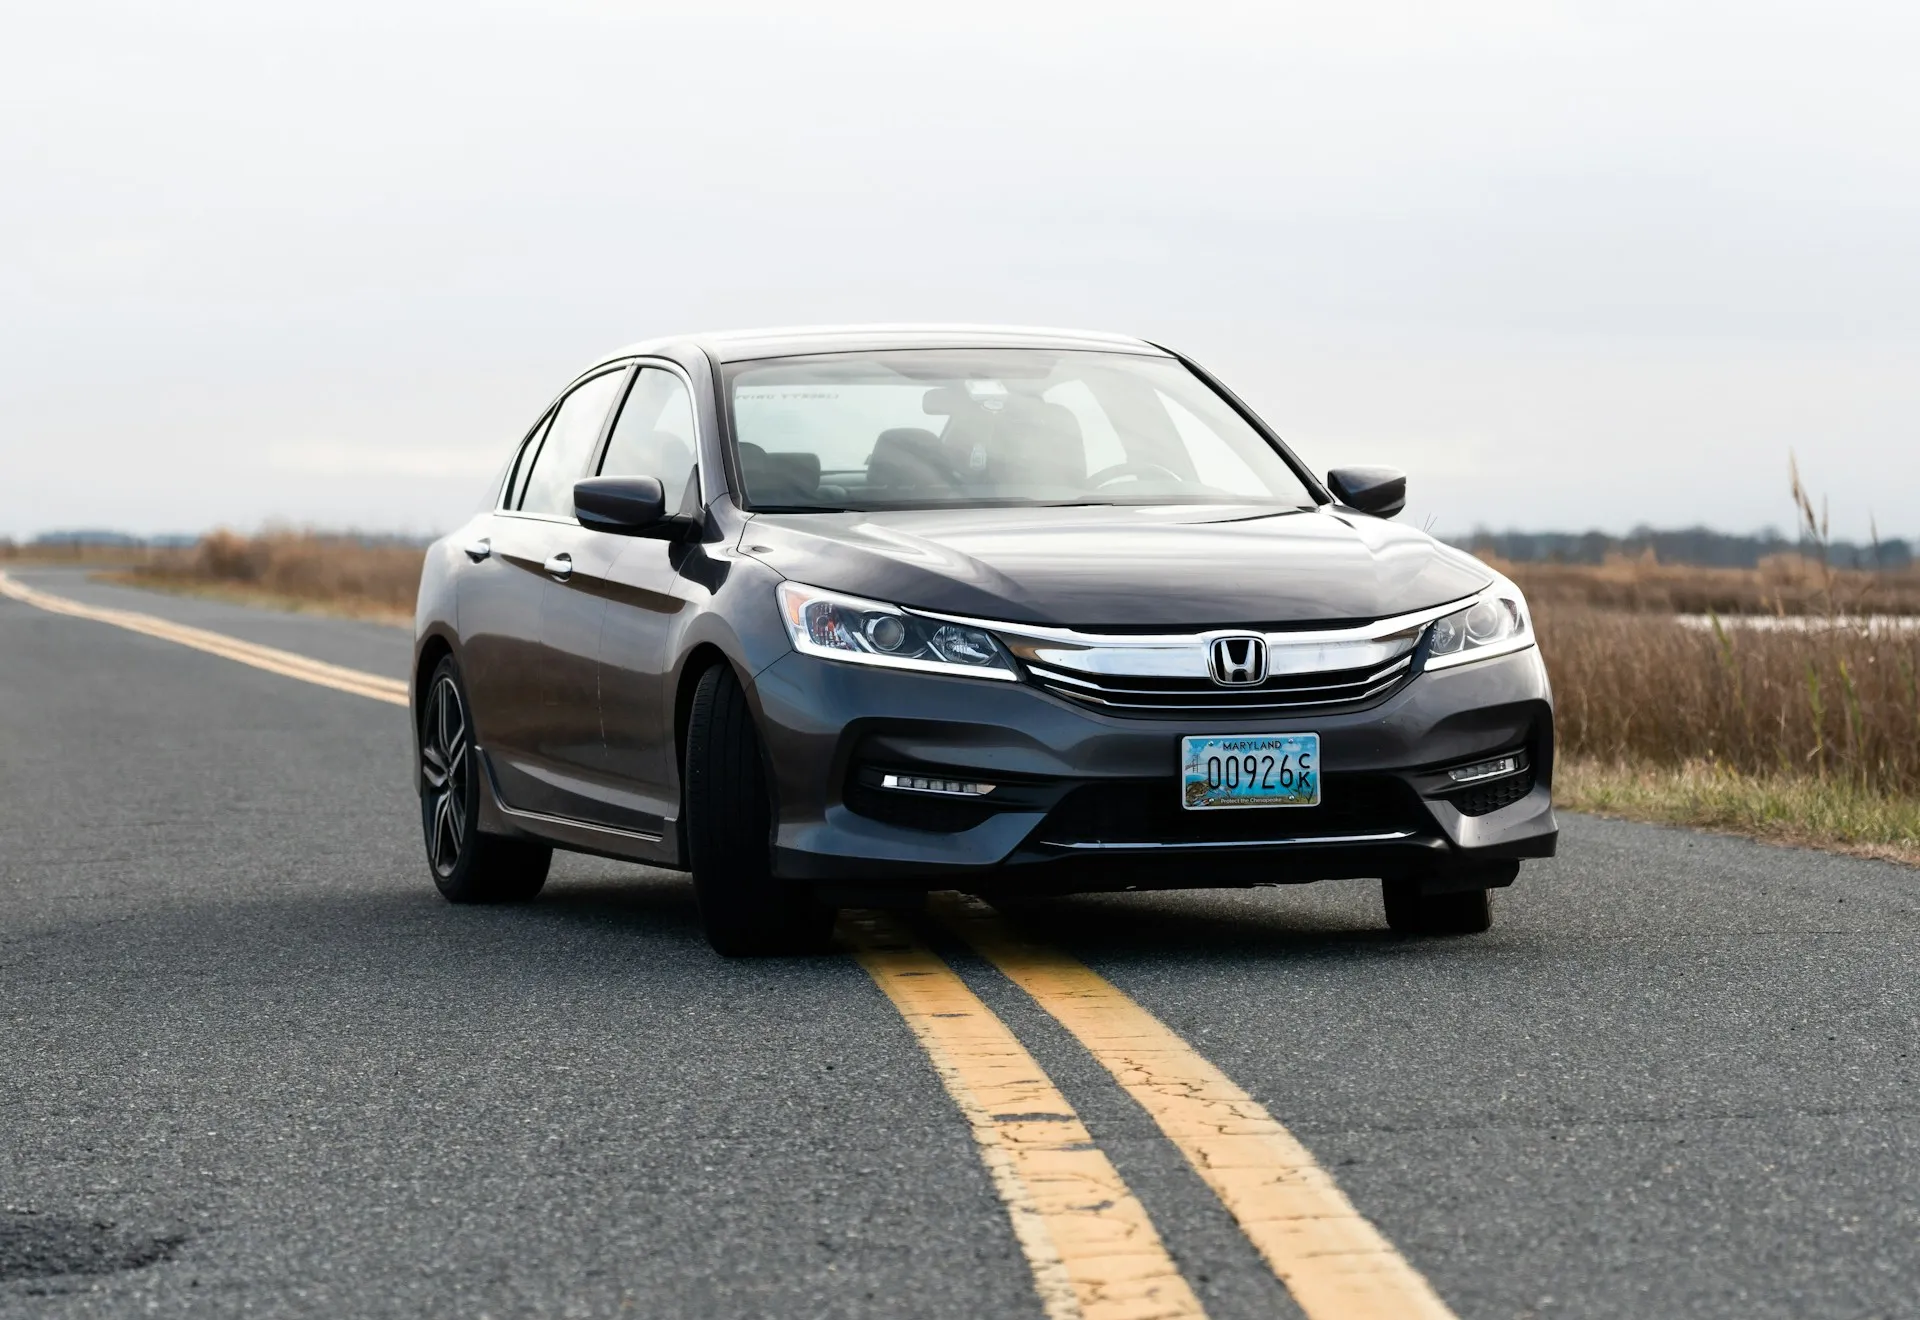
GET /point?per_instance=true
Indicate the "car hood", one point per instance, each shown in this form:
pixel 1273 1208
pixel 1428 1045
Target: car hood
pixel 1127 568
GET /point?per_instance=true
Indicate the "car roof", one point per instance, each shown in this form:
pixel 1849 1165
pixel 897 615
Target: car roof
pixel 791 341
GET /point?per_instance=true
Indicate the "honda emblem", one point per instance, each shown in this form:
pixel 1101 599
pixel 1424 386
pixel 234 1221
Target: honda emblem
pixel 1238 661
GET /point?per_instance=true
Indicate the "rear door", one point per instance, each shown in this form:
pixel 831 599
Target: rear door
pixel 535 709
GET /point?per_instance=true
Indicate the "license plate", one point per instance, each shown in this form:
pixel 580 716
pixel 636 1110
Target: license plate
pixel 1254 770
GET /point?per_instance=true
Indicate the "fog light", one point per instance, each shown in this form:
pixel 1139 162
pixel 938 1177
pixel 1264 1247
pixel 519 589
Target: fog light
pixel 928 784
pixel 1469 774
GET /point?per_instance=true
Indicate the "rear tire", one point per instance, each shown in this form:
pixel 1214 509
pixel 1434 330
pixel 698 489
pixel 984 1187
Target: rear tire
pixel 1410 912
pixel 467 866
pixel 745 908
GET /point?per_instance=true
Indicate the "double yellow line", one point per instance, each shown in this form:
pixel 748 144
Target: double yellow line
pixel 1094 1252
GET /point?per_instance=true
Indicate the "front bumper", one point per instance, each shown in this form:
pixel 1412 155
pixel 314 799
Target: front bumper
pixel 1088 801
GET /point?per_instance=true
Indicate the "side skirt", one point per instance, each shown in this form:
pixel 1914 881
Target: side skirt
pixel 496 817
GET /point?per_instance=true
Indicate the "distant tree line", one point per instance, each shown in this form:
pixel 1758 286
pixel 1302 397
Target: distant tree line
pixel 102 539
pixel 1689 545
pixel 108 540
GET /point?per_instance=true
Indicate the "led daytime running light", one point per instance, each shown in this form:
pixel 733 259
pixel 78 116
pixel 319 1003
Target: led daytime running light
pixel 1496 623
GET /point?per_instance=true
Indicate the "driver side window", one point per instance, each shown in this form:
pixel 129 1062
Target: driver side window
pixel 654 434
pixel 569 442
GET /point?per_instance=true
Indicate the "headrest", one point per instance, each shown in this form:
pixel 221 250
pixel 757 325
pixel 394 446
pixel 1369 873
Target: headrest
pixel 779 478
pixel 908 456
pixel 802 467
pixel 913 439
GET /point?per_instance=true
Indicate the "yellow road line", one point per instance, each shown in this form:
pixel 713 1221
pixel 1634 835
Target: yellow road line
pixel 356 681
pixel 1333 1261
pixel 1094 1253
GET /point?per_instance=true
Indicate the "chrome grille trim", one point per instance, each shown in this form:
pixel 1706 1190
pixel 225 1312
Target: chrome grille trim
pixel 1168 673
pixel 1174 694
pixel 1359 632
pixel 1047 675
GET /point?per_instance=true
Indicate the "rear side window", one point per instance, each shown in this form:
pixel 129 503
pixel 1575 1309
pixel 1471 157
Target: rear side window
pixel 523 465
pixel 564 451
pixel 654 436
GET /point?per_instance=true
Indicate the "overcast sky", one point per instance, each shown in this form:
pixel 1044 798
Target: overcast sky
pixel 1570 265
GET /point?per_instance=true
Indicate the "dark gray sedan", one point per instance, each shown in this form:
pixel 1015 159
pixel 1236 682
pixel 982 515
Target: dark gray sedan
pixel 838 616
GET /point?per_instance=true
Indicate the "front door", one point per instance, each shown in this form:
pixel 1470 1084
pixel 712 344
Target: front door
pixel 653 437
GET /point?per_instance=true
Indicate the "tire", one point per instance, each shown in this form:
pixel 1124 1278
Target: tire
pixel 745 908
pixel 467 866
pixel 1410 912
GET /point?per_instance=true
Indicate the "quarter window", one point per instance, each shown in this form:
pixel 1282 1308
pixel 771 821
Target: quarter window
pixel 523 465
pixel 569 442
pixel 654 435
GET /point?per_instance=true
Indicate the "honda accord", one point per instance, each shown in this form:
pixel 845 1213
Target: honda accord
pixel 840 616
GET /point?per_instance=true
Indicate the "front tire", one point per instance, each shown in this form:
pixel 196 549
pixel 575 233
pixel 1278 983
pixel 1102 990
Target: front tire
pixel 468 866
pixel 1410 912
pixel 745 908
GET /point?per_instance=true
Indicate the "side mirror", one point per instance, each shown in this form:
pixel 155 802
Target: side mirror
pixel 1380 491
pixel 625 506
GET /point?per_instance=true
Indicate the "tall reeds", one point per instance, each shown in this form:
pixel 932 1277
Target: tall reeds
pixel 1827 690
pixel 1835 701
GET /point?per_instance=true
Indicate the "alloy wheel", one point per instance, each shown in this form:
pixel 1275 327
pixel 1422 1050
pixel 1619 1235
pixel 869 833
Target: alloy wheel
pixel 446 774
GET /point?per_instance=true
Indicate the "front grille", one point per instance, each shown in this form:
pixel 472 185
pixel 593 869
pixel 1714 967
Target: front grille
pixel 1329 691
pixel 1493 795
pixel 1148 811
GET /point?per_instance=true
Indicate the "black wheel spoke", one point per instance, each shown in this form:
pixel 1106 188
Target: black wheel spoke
pixel 436 834
pixel 444 772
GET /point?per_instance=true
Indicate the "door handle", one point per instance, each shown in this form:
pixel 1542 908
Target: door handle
pixel 560 565
pixel 478 548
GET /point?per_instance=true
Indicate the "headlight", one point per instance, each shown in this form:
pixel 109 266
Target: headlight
pixel 1495 624
pixel 868 632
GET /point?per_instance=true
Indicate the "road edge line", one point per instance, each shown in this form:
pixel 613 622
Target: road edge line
pixel 289 664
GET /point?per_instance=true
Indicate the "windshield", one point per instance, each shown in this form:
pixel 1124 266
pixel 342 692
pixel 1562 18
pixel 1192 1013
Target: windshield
pixel 947 428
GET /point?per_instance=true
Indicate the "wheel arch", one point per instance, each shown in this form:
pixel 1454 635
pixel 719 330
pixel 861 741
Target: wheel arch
pixel 433 649
pixel 704 656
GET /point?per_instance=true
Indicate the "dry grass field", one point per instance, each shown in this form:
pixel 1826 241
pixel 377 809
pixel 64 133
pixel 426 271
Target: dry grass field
pixel 335 574
pixel 1781 701
pixel 1787 708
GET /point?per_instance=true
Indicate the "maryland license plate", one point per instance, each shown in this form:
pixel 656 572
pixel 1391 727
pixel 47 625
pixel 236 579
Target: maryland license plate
pixel 1255 770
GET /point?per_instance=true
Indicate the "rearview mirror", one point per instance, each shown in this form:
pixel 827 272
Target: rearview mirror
pixel 625 506
pixel 1380 491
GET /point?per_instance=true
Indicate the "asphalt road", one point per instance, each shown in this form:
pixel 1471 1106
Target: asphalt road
pixel 251 1063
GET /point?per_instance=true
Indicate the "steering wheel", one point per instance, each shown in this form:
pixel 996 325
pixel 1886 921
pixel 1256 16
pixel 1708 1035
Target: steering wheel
pixel 1106 476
